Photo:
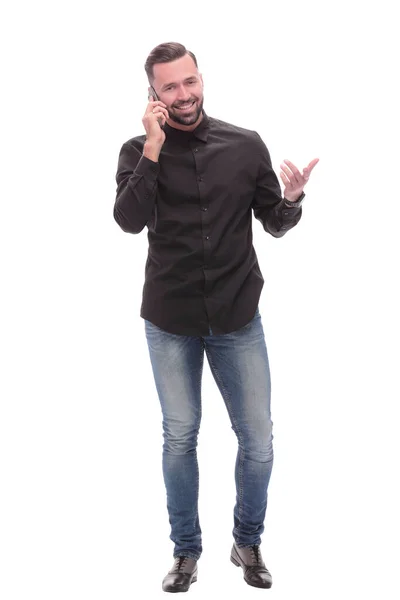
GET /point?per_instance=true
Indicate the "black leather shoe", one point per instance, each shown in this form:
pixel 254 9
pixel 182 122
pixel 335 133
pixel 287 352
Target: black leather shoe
pixel 181 575
pixel 254 569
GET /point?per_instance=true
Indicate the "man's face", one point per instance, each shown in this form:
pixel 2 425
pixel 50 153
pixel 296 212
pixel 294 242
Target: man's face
pixel 180 86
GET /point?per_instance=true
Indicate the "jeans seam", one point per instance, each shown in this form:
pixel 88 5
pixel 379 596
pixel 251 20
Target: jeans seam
pixel 241 456
pixel 197 464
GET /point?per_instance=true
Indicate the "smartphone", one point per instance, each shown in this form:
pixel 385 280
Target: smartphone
pixel 153 93
pixel 155 97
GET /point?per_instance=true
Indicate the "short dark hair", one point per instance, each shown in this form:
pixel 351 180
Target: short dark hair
pixel 164 53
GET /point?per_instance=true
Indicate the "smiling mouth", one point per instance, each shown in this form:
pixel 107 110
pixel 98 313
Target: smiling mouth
pixel 185 107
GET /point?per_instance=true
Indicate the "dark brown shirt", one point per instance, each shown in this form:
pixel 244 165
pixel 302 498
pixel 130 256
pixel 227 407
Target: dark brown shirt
pixel 197 202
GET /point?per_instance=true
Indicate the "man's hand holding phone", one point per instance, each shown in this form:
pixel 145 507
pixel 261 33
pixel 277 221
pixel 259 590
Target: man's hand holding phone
pixel 154 119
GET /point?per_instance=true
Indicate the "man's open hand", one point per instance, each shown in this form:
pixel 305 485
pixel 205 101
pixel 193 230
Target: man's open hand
pixel 293 180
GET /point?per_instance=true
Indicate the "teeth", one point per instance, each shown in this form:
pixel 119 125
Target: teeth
pixel 186 106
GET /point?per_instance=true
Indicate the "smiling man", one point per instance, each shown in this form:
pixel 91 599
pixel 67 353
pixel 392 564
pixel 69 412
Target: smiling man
pixel 194 182
pixel 182 92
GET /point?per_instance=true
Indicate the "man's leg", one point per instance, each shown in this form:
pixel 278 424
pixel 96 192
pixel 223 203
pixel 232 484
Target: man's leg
pixel 177 363
pixel 240 366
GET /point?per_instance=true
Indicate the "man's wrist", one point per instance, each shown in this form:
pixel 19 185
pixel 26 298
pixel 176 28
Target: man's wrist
pixel 151 151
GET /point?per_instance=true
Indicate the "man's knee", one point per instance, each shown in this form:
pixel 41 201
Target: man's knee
pixel 181 438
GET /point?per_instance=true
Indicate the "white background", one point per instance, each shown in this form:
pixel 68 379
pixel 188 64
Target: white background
pixel 83 508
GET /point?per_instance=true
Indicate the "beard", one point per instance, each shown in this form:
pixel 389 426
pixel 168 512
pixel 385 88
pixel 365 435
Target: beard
pixel 189 118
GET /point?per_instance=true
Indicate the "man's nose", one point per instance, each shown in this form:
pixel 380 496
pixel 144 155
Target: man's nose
pixel 183 94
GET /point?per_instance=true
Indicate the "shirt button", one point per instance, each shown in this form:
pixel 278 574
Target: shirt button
pixel 199 179
pixel 204 208
pixel 207 237
pixel 196 149
pixel 285 212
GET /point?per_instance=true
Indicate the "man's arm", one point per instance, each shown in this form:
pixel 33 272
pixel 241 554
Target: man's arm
pixel 136 187
pixel 276 214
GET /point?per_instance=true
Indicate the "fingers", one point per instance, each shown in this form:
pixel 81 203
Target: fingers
pixel 153 103
pixel 307 170
pixel 159 110
pixel 312 164
pixel 294 176
pixel 156 108
pixel 294 169
pixel 285 179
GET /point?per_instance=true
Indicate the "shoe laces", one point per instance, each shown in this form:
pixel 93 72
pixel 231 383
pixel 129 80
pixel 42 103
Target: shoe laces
pixel 255 554
pixel 179 563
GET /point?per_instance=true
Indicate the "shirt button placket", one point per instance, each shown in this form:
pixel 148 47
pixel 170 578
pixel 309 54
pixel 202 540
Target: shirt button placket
pixel 206 237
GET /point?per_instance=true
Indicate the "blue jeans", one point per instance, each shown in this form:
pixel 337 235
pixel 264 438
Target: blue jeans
pixel 239 364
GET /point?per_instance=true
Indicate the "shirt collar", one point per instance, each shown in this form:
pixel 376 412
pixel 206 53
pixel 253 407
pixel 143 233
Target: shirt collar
pixel 201 131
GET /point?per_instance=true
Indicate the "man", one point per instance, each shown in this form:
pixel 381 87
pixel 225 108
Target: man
pixel 193 181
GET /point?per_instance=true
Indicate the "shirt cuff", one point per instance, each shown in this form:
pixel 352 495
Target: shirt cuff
pixel 145 165
pixel 296 204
